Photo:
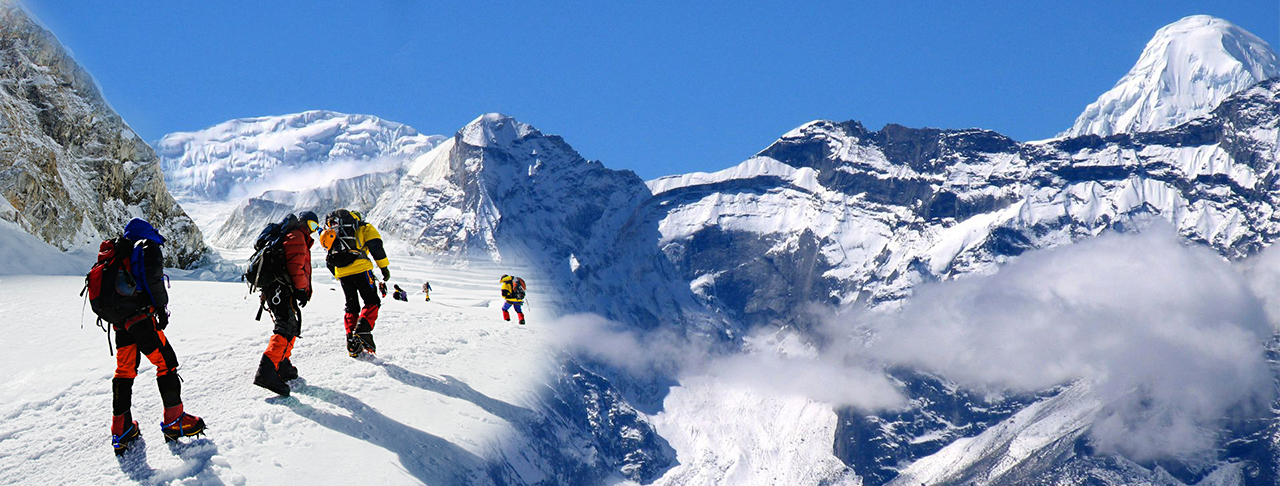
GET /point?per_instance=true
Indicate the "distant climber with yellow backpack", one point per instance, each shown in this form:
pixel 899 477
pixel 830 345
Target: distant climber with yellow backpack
pixel 513 293
pixel 350 242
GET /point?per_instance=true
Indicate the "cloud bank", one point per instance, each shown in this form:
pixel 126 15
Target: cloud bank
pixel 1170 336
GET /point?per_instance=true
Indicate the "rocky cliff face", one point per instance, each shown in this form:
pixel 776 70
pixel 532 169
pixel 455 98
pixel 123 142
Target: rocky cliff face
pixel 70 168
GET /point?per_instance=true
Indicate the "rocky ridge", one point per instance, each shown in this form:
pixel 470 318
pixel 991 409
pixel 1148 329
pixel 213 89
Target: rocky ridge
pixel 71 171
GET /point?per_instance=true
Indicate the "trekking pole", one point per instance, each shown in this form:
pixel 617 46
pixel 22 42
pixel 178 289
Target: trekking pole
pixel 86 304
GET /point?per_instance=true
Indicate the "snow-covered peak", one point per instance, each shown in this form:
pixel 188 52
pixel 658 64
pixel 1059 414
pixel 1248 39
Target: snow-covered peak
pixel 494 130
pixel 1187 69
pixel 231 158
pixel 750 169
pixel 828 128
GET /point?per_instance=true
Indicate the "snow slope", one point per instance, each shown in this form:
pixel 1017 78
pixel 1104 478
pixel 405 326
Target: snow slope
pixel 1186 69
pixel 23 254
pixel 456 396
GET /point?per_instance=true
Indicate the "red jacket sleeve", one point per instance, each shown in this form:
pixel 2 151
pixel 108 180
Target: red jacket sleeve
pixel 297 259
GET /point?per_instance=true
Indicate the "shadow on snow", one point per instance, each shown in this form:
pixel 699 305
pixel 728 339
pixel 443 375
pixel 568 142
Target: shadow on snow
pixel 431 459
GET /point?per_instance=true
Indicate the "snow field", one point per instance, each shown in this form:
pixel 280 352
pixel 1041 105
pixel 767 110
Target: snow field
pixel 423 411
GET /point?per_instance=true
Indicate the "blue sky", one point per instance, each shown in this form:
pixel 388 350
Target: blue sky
pixel 655 87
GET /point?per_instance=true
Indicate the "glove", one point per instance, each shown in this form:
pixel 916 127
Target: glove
pixel 386 274
pixel 162 319
pixel 302 296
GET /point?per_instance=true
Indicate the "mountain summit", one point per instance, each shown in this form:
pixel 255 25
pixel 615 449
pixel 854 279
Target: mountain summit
pixel 1187 69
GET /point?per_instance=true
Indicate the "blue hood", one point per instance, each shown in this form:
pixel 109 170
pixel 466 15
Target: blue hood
pixel 140 229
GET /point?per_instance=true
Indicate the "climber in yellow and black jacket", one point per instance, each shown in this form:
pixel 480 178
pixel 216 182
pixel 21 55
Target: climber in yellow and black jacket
pixel 351 242
pixel 513 289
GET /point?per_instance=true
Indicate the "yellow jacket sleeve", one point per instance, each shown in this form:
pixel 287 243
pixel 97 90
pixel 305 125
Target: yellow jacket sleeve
pixel 371 240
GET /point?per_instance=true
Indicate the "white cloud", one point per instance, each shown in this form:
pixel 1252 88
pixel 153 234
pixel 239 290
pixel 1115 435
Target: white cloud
pixel 775 362
pixel 1171 336
pixel 311 176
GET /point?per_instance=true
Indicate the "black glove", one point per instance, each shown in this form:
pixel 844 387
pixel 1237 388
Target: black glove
pixel 162 319
pixel 302 296
pixel 386 274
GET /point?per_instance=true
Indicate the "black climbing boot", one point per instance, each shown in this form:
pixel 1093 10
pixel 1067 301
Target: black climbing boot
pixel 269 378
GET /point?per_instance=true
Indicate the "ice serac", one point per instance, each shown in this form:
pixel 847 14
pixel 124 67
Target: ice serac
pixel 241 174
pixel 1187 69
pixel 501 191
pixel 71 169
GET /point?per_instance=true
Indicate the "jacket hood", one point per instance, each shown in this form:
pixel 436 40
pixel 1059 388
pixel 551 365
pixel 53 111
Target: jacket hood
pixel 140 229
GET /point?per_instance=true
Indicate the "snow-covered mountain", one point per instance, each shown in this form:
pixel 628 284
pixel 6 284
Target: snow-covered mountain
pixel 229 159
pixel 503 192
pixel 71 171
pixel 836 214
pixel 498 191
pixel 833 212
pixel 1187 69
pixel 267 166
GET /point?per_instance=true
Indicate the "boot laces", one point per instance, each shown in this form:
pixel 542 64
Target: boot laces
pixel 178 421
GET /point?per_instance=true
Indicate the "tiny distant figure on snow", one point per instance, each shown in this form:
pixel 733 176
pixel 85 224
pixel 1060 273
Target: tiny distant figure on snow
pixel 426 290
pixel 382 287
pixel 400 294
pixel 513 292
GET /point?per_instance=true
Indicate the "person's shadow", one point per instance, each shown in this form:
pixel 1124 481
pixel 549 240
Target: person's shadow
pixel 431 459
pixel 453 387
pixel 196 454
pixel 134 461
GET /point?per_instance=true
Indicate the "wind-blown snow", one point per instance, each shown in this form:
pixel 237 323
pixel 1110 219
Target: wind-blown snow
pixel 1187 69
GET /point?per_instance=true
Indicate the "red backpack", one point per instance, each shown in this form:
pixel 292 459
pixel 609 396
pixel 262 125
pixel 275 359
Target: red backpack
pixel 113 290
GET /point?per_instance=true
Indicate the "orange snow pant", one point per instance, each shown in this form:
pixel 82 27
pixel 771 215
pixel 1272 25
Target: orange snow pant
pixel 135 338
pixel 288 323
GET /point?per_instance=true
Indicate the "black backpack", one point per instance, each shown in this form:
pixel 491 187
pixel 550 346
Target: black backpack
pixel 266 265
pixel 113 290
pixel 517 288
pixel 345 248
